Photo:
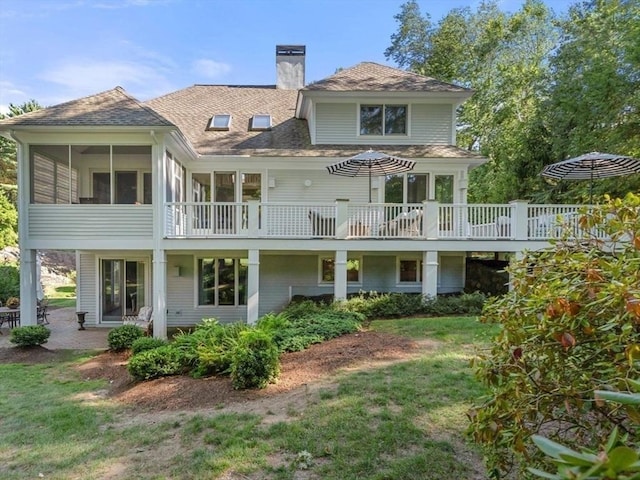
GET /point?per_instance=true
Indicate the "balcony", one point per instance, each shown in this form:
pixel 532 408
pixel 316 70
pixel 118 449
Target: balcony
pixel 351 221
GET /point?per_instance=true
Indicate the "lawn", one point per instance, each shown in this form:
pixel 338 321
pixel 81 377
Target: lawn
pixel 402 420
pixel 61 296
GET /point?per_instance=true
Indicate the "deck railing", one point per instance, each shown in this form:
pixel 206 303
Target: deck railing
pixel 346 220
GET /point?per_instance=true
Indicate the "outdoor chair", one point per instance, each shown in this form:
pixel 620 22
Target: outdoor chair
pixel 322 226
pixel 42 314
pixel 143 319
pixel 406 224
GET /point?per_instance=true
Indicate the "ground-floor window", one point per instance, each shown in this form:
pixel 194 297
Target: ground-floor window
pixel 327 270
pixel 409 271
pixel 222 281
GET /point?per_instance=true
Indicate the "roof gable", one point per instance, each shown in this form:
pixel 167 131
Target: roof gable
pixel 373 77
pixel 111 108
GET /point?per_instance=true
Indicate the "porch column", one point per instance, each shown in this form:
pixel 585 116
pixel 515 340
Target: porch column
pixel 342 220
pixel 430 219
pixel 253 218
pixel 28 281
pixel 520 220
pixel 340 276
pixel 253 287
pixel 159 294
pixel 430 274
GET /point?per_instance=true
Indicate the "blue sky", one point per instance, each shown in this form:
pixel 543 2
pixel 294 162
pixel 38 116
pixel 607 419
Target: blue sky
pixel 57 50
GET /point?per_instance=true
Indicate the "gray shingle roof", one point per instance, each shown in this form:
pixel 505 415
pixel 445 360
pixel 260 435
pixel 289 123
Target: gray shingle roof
pixel 373 77
pixel 192 108
pixel 111 108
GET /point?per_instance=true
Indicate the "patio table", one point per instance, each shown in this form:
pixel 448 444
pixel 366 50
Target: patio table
pixel 10 316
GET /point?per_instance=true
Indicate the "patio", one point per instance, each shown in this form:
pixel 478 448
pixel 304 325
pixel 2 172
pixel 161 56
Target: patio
pixel 63 324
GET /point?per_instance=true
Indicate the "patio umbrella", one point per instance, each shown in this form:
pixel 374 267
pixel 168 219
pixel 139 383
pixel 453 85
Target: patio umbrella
pixel 371 164
pixel 591 166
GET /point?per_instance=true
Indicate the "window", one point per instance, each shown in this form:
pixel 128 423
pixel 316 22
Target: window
pixel 261 122
pixel 327 270
pixel 222 281
pixel 383 119
pixel 220 122
pixel 409 271
pixel 444 188
pixel 409 188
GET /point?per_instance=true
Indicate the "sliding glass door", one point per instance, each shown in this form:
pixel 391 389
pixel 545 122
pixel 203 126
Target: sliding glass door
pixel 122 288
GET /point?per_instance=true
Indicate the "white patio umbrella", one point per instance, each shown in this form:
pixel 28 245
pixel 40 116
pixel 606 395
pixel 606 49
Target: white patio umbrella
pixel 371 164
pixel 592 166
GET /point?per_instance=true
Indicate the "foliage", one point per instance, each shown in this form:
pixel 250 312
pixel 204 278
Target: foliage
pixel 255 360
pixel 12 302
pixel 208 348
pixel 158 362
pixel 615 461
pixel 570 325
pixel 142 344
pixel 8 222
pixel 320 323
pixel 9 281
pixel 30 335
pixel 122 338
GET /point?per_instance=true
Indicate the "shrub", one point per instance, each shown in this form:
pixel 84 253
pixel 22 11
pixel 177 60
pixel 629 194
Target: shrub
pixel 570 325
pixel 142 344
pixel 30 335
pixel 158 362
pixel 13 302
pixel 255 360
pixel 122 338
pixel 9 281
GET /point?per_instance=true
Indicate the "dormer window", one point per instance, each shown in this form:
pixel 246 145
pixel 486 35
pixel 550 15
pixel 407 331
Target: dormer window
pixel 220 122
pixel 383 119
pixel 261 122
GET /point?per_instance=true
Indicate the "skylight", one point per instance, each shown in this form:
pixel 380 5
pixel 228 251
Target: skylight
pixel 220 122
pixel 261 122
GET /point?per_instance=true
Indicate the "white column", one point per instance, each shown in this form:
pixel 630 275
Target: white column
pixel 520 219
pixel 518 256
pixel 430 219
pixel 253 287
pixel 28 279
pixel 342 220
pixel 159 294
pixel 430 274
pixel 340 276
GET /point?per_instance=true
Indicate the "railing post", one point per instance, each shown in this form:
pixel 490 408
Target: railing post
pixel 430 219
pixel 253 222
pixel 342 218
pixel 520 219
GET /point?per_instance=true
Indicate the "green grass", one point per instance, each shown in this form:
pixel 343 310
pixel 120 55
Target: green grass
pixel 401 421
pixel 61 296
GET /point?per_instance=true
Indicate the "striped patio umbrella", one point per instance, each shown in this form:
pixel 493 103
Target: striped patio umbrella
pixel 592 166
pixel 371 164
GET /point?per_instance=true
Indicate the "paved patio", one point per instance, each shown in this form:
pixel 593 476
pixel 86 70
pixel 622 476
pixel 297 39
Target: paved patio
pixel 63 324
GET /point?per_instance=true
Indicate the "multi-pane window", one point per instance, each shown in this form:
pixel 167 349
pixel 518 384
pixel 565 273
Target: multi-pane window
pixel 327 270
pixel 410 271
pixel 222 281
pixel 383 120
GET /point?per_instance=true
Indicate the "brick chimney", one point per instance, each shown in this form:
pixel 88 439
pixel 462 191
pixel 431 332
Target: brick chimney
pixel 290 66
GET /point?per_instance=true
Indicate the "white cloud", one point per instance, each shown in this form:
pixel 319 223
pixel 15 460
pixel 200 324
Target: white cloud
pixel 4 109
pixel 87 77
pixel 210 68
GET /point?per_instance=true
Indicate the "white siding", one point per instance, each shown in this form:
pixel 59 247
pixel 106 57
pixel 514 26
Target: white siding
pixel 429 124
pixel 450 274
pixel 86 288
pixel 90 221
pixel 324 187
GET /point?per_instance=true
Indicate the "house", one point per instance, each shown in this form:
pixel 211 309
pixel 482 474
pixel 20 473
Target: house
pixel 216 201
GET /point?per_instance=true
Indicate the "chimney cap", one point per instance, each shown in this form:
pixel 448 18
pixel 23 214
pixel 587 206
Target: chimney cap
pixel 291 50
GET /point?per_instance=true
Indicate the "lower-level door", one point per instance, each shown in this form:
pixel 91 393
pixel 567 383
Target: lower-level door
pixel 123 288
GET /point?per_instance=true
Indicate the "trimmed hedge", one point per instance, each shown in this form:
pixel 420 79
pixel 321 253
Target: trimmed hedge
pixel 30 335
pixel 122 338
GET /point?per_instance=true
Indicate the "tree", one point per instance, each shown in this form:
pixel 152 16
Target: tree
pixel 594 104
pixel 503 58
pixel 8 222
pixel 8 160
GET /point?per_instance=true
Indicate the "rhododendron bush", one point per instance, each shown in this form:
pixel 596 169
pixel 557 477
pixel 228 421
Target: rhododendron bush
pixel 570 326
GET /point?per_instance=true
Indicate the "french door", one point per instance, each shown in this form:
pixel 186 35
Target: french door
pixel 123 288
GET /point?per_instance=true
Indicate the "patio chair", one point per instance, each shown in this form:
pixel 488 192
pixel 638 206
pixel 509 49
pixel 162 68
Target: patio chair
pixel 322 226
pixel 406 224
pixel 42 314
pixel 143 319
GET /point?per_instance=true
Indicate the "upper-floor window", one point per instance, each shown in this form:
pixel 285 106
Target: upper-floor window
pixel 261 122
pixel 220 122
pixel 383 119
